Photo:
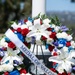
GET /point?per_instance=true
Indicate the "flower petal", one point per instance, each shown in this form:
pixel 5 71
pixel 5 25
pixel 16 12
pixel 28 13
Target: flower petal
pixel 55 59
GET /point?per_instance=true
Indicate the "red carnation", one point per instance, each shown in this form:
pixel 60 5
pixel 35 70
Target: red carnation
pixel 13 30
pixel 4 48
pixel 62 73
pixel 53 69
pixel 69 73
pixel 11 45
pixel 0 58
pixel 44 38
pixel 49 29
pixel 51 48
pixel 68 44
pixel 41 22
pixel 18 29
pixel 26 44
pixel 59 74
pixel 53 35
pixel 54 63
pixel 6 73
pixel 55 54
pixel 25 20
pixel 25 31
pixel 23 71
pixel 23 54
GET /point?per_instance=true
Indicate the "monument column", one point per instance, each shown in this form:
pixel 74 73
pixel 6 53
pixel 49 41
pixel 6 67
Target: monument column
pixel 38 6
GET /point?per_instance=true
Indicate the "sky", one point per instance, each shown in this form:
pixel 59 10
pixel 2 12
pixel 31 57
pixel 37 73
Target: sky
pixel 60 5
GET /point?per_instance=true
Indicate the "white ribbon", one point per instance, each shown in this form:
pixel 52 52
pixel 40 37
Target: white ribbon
pixel 13 37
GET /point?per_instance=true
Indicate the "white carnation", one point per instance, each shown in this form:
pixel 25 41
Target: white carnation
pixel 58 35
pixel 49 41
pixel 62 35
pixel 6 67
pixel 73 44
pixel 29 23
pixel 25 74
pixel 24 26
pixel 65 49
pixel 28 39
pixel 56 28
pixel 69 38
pixel 46 21
pixel 3 43
pixel 14 25
pixel 39 42
pixel 53 26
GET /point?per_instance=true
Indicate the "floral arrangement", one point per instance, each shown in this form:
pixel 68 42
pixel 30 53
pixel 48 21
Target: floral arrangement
pixel 40 31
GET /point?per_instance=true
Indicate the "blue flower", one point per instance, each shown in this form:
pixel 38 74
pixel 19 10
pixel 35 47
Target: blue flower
pixel 73 68
pixel 7 39
pixel 47 45
pixel 1 52
pixel 53 30
pixel 21 21
pixel 55 43
pixel 16 62
pixel 30 19
pixel 62 42
pixel 20 36
pixel 55 49
pixel 64 28
pixel 70 48
pixel 15 72
pixel 33 40
pixel 7 62
pixel 54 66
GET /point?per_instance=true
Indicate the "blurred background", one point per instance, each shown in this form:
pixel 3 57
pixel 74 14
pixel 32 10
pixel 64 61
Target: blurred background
pixel 12 10
pixel 64 10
